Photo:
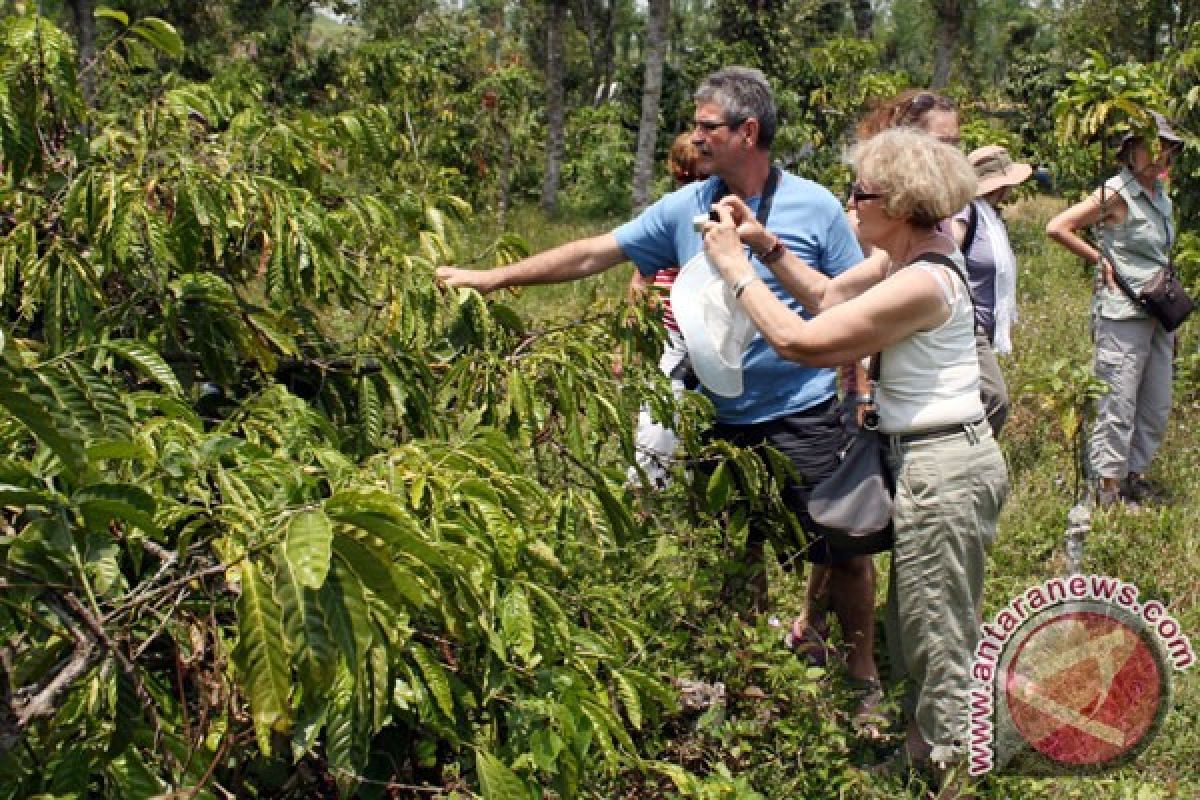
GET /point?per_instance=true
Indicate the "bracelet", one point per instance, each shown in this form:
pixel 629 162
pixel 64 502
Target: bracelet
pixel 741 285
pixel 774 252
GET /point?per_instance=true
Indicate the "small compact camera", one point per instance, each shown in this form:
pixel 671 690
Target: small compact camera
pixel 700 220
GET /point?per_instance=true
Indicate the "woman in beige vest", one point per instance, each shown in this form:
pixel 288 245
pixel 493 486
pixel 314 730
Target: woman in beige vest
pixel 1133 215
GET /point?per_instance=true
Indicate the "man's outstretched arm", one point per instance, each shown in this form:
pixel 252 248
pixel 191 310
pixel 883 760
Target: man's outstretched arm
pixel 568 262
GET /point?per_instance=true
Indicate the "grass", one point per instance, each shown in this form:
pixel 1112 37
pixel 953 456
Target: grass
pixel 784 732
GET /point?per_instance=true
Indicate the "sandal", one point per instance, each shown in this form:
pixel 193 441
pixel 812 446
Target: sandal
pixel 868 720
pixel 808 645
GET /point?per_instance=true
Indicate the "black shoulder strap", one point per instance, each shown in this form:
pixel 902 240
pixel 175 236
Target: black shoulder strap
pixel 972 227
pixel 946 261
pixel 768 194
pixel 1137 299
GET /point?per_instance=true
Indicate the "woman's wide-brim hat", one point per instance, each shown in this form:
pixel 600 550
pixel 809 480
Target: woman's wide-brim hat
pixel 1165 132
pixel 995 169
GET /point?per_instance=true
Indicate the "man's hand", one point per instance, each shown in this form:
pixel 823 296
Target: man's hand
pixel 638 292
pixel 482 280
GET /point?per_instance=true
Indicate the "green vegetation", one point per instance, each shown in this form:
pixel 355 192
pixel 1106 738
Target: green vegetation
pixel 281 518
pixel 785 733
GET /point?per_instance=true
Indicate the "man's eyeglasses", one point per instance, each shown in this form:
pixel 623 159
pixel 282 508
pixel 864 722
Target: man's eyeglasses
pixel 708 126
pixel 858 194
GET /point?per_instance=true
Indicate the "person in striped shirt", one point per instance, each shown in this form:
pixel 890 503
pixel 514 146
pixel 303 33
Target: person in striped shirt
pixel 656 441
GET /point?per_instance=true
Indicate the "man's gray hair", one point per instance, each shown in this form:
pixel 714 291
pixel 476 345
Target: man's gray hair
pixel 742 93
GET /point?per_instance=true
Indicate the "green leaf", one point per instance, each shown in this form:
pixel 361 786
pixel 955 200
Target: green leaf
pixel 149 362
pixel 20 496
pixel 497 781
pixel 344 604
pixel 307 632
pixel 720 488
pixel 545 746
pixel 516 621
pixel 160 34
pixel 102 502
pixel 345 738
pixel 45 547
pixel 131 777
pixel 435 678
pixel 400 533
pixel 261 658
pixel 373 566
pixel 38 409
pixel 307 547
pixel 630 699
pixel 113 14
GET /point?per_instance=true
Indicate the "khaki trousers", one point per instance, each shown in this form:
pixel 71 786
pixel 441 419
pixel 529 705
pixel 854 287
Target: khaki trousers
pixel 949 491
pixel 1133 356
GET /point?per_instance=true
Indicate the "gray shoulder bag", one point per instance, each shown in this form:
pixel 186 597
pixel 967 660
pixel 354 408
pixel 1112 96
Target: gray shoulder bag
pixel 853 505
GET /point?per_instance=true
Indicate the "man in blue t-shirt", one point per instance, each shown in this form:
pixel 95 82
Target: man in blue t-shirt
pixel 786 405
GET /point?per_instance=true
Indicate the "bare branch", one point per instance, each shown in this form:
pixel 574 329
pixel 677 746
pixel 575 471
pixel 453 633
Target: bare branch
pixel 43 701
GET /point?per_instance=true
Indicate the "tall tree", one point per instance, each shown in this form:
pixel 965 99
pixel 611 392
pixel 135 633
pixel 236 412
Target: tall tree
pixel 1146 26
pixel 658 12
pixel 556 12
pixel 864 17
pixel 948 34
pixel 84 21
pixel 598 20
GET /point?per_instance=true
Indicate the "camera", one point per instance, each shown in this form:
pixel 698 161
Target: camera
pixel 699 221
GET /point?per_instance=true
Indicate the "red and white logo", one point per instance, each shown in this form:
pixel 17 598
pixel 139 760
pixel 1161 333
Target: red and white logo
pixel 1073 676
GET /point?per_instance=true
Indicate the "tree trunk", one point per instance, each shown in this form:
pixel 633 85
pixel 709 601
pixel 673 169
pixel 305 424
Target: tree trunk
pixel 657 14
pixel 596 18
pixel 84 18
pixel 609 45
pixel 830 16
pixel 949 14
pixel 864 18
pixel 555 112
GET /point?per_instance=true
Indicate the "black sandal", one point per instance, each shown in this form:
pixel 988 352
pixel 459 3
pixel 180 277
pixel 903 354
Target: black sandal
pixel 868 719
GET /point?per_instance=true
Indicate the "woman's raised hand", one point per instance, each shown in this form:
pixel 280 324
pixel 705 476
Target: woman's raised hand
pixel 724 247
pixel 752 233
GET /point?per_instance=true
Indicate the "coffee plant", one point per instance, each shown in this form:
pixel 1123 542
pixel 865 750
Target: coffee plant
pixel 279 515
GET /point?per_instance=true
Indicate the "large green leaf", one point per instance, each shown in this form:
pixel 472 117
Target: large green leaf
pixel 344 604
pixel 161 34
pixel 373 566
pixel 149 362
pixel 113 14
pixel 39 411
pixel 496 780
pixel 261 656
pixel 307 631
pixel 307 547
pixel 516 621
pixel 435 678
pixel 102 502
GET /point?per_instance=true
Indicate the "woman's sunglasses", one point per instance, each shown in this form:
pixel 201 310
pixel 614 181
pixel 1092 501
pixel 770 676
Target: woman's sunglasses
pixel 859 194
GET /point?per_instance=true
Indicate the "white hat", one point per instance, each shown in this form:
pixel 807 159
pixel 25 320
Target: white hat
pixel 714 326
